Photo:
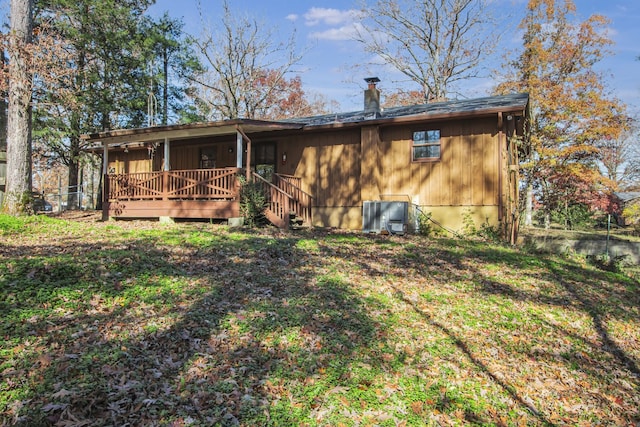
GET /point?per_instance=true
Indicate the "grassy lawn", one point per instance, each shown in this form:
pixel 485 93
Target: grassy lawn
pixel 143 324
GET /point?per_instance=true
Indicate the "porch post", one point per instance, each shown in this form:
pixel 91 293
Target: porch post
pixel 105 158
pixel 165 178
pixel 238 149
pixel 248 160
pixel 240 135
pixel 105 181
pixel 167 155
pixel 167 168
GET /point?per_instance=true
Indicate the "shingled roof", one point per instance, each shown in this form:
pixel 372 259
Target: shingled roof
pixel 628 196
pixel 459 107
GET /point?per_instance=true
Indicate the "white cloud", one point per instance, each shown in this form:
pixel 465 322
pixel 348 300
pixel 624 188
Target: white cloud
pixel 329 16
pixel 292 17
pixel 346 32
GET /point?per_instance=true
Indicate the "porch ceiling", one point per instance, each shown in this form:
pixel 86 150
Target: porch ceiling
pixel 176 132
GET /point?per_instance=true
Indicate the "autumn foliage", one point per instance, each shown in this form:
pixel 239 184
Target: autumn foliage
pixel 285 98
pixel 571 110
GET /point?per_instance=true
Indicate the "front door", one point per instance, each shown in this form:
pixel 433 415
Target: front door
pixel 263 159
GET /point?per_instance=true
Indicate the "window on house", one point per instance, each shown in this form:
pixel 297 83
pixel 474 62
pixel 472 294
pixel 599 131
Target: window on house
pixel 208 158
pixel 426 145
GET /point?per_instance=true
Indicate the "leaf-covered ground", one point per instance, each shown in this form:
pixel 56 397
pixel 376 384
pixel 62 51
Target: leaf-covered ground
pixel 143 324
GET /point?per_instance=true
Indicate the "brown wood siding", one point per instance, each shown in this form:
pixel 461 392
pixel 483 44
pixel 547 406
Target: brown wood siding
pixel 370 169
pixel 476 142
pixel 466 174
pixel 491 168
pixel 134 161
pixel 328 163
pixel 184 157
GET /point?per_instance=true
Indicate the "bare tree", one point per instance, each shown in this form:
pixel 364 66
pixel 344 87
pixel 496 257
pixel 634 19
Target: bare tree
pixel 18 183
pixel 237 59
pixel 620 158
pixel 433 42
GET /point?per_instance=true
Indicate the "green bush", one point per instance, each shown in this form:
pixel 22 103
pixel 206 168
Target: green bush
pixel 468 224
pixel 574 217
pixel 614 264
pixel 253 202
pixel 489 232
pixel 425 226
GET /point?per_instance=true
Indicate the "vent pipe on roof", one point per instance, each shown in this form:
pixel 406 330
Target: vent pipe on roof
pixel 372 97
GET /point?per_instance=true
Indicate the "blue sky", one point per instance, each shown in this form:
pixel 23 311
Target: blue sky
pixel 323 29
pixel 328 67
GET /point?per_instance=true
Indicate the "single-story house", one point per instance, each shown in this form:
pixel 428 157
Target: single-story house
pixel 456 160
pixel 626 200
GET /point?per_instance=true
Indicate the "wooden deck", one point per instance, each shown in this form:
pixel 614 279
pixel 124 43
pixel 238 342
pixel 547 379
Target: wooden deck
pixel 201 193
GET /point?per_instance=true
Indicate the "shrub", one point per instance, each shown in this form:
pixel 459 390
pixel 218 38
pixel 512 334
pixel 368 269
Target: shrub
pixel 574 217
pixel 489 232
pixel 425 227
pixel 468 224
pixel 615 264
pixel 253 202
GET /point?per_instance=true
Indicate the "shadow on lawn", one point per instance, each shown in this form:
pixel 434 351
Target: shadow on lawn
pixel 204 333
pixel 460 343
pixel 561 283
pixel 599 304
pixel 248 329
pixel 424 261
pixel 593 292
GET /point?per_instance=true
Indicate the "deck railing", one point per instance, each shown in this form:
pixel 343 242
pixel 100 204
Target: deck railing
pixel 278 207
pixel 199 184
pixel 153 192
pixel 285 201
pixel 300 203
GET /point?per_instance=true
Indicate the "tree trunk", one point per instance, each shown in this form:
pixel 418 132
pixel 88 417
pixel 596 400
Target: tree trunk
pixel 528 206
pixel 3 110
pixel 165 87
pixel 74 151
pixel 18 183
pixel 547 219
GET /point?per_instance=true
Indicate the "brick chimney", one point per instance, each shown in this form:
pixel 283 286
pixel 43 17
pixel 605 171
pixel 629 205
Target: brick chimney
pixel 372 97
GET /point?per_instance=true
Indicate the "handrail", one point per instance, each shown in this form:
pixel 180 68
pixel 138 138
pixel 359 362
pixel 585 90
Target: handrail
pixel 287 201
pixel 278 210
pixel 270 185
pixel 301 200
pixel 284 177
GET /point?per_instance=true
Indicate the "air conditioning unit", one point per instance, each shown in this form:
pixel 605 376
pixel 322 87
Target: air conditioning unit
pixel 388 217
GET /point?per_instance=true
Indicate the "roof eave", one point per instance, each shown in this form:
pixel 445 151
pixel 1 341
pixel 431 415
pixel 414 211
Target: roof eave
pixel 225 127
